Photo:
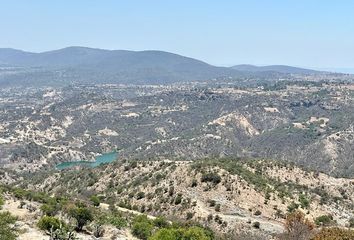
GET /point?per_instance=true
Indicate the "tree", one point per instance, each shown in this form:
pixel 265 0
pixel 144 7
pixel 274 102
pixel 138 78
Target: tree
pixel 7 231
pixel 82 215
pixel 297 227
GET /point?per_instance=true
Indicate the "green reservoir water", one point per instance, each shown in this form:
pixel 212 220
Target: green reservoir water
pixel 104 158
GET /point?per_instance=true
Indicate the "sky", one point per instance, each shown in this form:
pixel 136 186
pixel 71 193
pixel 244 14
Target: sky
pixel 306 33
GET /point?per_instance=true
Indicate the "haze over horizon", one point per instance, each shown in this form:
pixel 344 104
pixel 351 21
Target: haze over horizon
pixel 316 35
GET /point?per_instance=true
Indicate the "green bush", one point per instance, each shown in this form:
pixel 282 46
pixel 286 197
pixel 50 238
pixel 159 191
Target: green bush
pixel 304 201
pixel 117 221
pixel 166 234
pixel 324 220
pixel 7 231
pixel 142 227
pixel 49 209
pixel 95 200
pixel 82 215
pixel 178 199
pixel 49 223
pixel 2 202
pixel 191 233
pixel 140 195
pixel 160 222
pixel 292 207
pixel 211 177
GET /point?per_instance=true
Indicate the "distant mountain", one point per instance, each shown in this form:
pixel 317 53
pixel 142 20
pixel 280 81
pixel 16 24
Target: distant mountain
pixel 117 66
pixel 274 68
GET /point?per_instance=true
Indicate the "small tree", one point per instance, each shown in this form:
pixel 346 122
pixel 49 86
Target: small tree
pixel 297 227
pixel 82 215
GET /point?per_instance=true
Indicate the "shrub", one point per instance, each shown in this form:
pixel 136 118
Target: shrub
pixel 351 222
pixel 142 227
pixel 217 207
pixel 324 220
pixel 197 233
pixel 257 213
pixel 211 177
pixel 178 199
pixel 212 203
pixel 1 201
pixel 334 234
pixel 95 200
pixel 194 183
pixel 297 227
pixel 7 232
pixel 160 222
pixel 140 195
pixel 49 223
pixel 304 201
pixel 49 209
pixel 292 207
pixel 256 225
pixel 117 221
pixel 190 215
pixel 98 231
pixel 166 234
pixel 82 215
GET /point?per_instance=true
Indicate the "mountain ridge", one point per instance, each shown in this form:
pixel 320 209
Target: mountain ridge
pixel 274 68
pixel 86 65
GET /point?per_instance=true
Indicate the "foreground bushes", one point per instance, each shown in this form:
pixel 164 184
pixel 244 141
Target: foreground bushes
pixel 159 228
pixel 299 228
pixel 191 233
pixel 334 234
pixel 48 223
pixel 7 231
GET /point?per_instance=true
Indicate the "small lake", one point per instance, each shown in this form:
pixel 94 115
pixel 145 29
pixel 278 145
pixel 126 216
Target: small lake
pixel 102 159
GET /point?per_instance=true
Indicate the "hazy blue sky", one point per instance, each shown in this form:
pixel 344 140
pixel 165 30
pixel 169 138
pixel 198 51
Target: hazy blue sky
pixel 313 33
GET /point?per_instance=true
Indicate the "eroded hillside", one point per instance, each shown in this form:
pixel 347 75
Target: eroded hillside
pixel 308 123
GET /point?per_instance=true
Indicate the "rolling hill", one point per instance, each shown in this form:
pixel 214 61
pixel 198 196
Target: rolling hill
pixel 115 66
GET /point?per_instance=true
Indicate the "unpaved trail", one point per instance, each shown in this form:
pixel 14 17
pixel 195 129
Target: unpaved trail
pixel 268 225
